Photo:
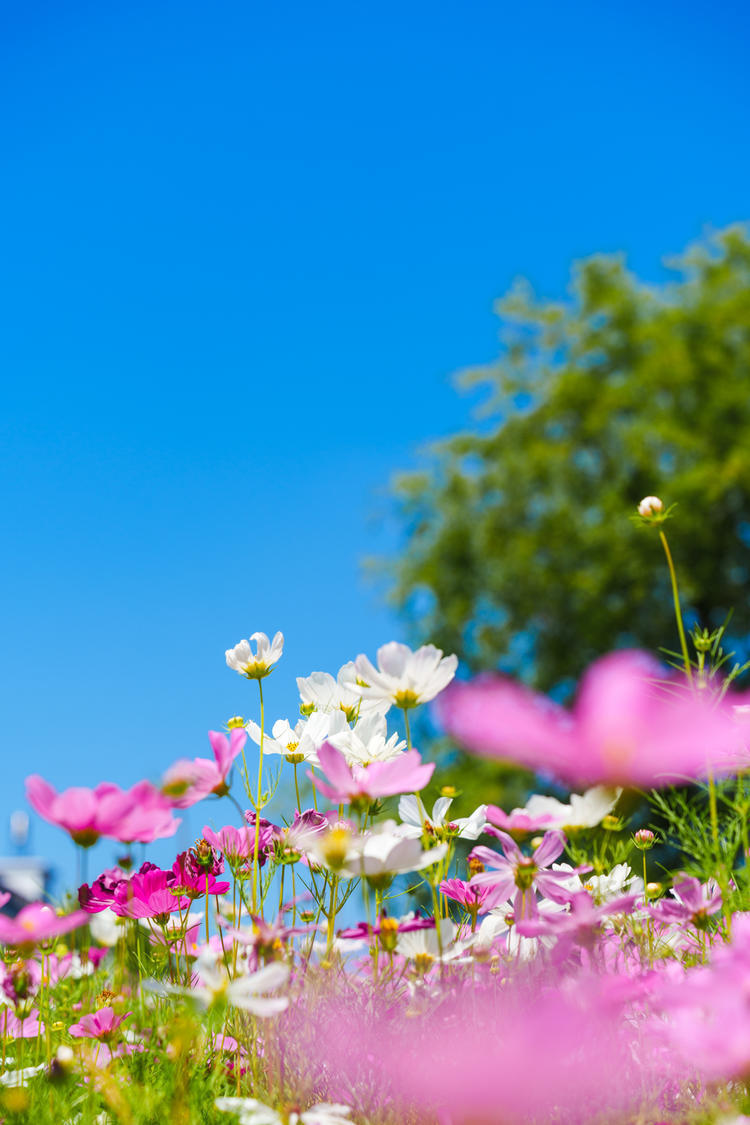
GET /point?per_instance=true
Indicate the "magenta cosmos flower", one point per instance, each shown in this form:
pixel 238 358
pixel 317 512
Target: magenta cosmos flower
pixel 191 779
pixel 149 895
pixel 37 923
pixel 139 813
pixel 360 785
pixel 630 725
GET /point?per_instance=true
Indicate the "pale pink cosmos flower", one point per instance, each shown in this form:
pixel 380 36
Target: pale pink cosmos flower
pixel 692 902
pixel 12 1027
pixel 191 779
pixel 517 822
pixel 630 725
pixel 234 843
pixel 86 814
pixel 37 923
pixel 581 923
pixel 360 784
pixel 513 873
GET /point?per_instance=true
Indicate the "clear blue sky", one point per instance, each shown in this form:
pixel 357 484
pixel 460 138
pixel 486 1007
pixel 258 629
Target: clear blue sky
pixel 243 248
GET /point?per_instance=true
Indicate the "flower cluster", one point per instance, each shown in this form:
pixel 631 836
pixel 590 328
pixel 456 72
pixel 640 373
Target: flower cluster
pixel 378 953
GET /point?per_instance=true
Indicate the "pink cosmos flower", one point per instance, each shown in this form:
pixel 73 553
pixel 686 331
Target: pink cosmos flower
pixel 691 902
pixel 582 923
pixel 151 817
pixel 515 872
pixel 149 895
pixel 629 725
pixel 11 1027
pixel 107 810
pixel 194 881
pixel 364 784
pixel 516 822
pixel 234 843
pixel 37 923
pixel 475 900
pixel 190 780
pixel 101 1025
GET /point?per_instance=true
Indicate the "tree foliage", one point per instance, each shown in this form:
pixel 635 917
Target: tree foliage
pixel 519 552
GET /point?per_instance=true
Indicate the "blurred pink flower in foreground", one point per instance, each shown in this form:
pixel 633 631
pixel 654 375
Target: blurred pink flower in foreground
pixel 140 813
pixel 630 725
pixel 36 923
pixel 11 1027
pixel 191 779
pixel 358 784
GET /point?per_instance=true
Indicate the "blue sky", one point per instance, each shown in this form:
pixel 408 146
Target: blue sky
pixel 243 248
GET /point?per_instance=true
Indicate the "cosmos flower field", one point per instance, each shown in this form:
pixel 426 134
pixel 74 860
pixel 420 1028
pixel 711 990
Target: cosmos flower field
pixel 370 957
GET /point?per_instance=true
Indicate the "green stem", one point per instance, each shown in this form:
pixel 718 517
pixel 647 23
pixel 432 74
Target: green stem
pixel 677 610
pixel 258 805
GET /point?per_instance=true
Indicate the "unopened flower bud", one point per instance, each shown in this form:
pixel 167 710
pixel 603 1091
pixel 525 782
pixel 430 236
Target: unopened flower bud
pixel 388 933
pixel 650 506
pixel 235 722
pixel 612 823
pixel 449 791
pixel 306 709
pixel 654 889
pixel 644 839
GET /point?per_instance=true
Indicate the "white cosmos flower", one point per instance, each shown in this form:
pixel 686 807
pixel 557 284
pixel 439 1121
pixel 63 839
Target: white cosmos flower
pixel 386 851
pixel 404 677
pixel 14 1078
pixel 366 742
pixel 301 741
pixel 423 944
pixel 321 692
pixel 106 927
pixel 256 665
pixel 584 811
pixel 252 1112
pixel 603 888
pixel 413 814
pixel 246 992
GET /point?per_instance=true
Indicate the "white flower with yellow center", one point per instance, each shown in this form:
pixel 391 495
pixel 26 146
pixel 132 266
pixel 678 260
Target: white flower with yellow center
pixel 321 692
pixel 256 665
pixel 298 743
pixel 403 677
pixel 584 810
pixel 416 821
pixel 366 742
pixel 386 851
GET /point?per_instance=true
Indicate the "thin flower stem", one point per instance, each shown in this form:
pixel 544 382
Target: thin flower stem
pixel 677 610
pixel 296 788
pixel 258 805
pixel 332 914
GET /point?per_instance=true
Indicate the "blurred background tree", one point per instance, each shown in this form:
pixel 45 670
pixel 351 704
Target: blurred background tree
pixel 518 551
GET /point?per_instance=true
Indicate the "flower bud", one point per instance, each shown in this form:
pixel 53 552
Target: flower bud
pixel 235 723
pixel 644 839
pixel 650 506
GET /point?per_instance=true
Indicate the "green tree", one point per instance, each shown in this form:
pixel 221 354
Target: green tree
pixel 519 552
